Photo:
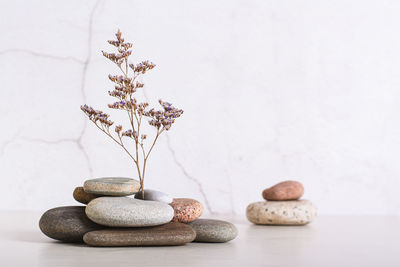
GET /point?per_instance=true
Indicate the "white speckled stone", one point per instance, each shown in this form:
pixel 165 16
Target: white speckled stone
pixel 128 212
pixel 297 212
pixel 150 194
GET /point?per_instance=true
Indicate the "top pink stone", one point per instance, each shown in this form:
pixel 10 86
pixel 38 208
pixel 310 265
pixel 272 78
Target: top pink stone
pixel 287 190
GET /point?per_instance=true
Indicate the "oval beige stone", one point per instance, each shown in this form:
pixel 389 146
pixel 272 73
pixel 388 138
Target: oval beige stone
pixel 287 190
pixel 295 212
pixel 112 186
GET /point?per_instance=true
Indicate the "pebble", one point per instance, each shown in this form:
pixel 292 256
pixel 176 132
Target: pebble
pixel 287 190
pixel 67 224
pixel 150 194
pixel 186 209
pixel 170 234
pixel 295 212
pixel 112 186
pixel 213 231
pixel 128 212
pixel 81 196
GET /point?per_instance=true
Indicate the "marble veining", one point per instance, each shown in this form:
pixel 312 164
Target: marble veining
pixel 271 92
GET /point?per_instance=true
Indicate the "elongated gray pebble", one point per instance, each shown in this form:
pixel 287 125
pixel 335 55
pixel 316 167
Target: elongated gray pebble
pixel 170 234
pixel 213 231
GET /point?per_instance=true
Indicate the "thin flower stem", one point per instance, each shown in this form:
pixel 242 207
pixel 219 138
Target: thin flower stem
pixel 144 154
pixel 121 70
pixel 131 113
pixel 148 153
pixel 107 133
pixel 126 66
pixel 154 142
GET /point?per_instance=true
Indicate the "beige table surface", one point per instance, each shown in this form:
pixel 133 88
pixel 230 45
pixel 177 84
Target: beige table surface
pixel 328 241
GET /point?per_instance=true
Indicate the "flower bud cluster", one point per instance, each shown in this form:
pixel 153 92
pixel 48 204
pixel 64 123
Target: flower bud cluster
pixel 122 47
pixel 97 115
pixel 142 67
pixel 164 118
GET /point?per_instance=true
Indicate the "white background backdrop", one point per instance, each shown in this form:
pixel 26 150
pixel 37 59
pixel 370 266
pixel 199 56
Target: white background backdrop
pixel 272 90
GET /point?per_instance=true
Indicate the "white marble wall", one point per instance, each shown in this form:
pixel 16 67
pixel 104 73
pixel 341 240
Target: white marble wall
pixel 272 90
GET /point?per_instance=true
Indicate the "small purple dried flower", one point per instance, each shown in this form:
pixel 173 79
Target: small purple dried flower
pixel 164 118
pixel 97 115
pixel 124 88
pixel 118 128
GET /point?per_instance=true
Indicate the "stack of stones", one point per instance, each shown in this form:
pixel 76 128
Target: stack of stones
pixel 113 218
pixel 282 206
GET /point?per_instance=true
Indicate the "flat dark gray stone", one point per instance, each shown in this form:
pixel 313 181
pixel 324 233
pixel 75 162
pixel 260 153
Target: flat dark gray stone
pixel 213 231
pixel 67 224
pixel 170 234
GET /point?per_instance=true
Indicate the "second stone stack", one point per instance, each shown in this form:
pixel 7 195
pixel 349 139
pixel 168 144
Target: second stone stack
pixel 282 206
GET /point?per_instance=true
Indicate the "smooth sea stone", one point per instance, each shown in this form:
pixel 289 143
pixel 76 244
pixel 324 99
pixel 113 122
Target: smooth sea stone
pixel 112 186
pixel 81 196
pixel 67 224
pixel 287 190
pixel 170 234
pixel 213 231
pixel 128 212
pixel 150 194
pixel 186 209
pixel 295 212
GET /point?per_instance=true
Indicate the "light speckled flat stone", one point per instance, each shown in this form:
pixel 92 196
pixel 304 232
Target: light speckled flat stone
pixel 296 212
pixel 128 212
pixel 112 186
pixel 150 194
pixel 67 224
pixel 170 234
pixel 213 231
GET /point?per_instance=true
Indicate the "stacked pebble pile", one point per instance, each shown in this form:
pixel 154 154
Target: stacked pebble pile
pixel 112 218
pixel 282 206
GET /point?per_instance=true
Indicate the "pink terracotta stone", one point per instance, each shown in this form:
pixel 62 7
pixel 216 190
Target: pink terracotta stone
pixel 186 209
pixel 287 190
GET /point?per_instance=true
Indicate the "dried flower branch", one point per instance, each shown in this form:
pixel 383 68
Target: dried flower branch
pixel 124 89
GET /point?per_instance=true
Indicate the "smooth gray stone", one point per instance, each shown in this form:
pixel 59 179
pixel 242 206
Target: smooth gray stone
pixel 112 186
pixel 67 224
pixel 213 231
pixel 150 194
pixel 170 234
pixel 128 212
pixel 294 212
